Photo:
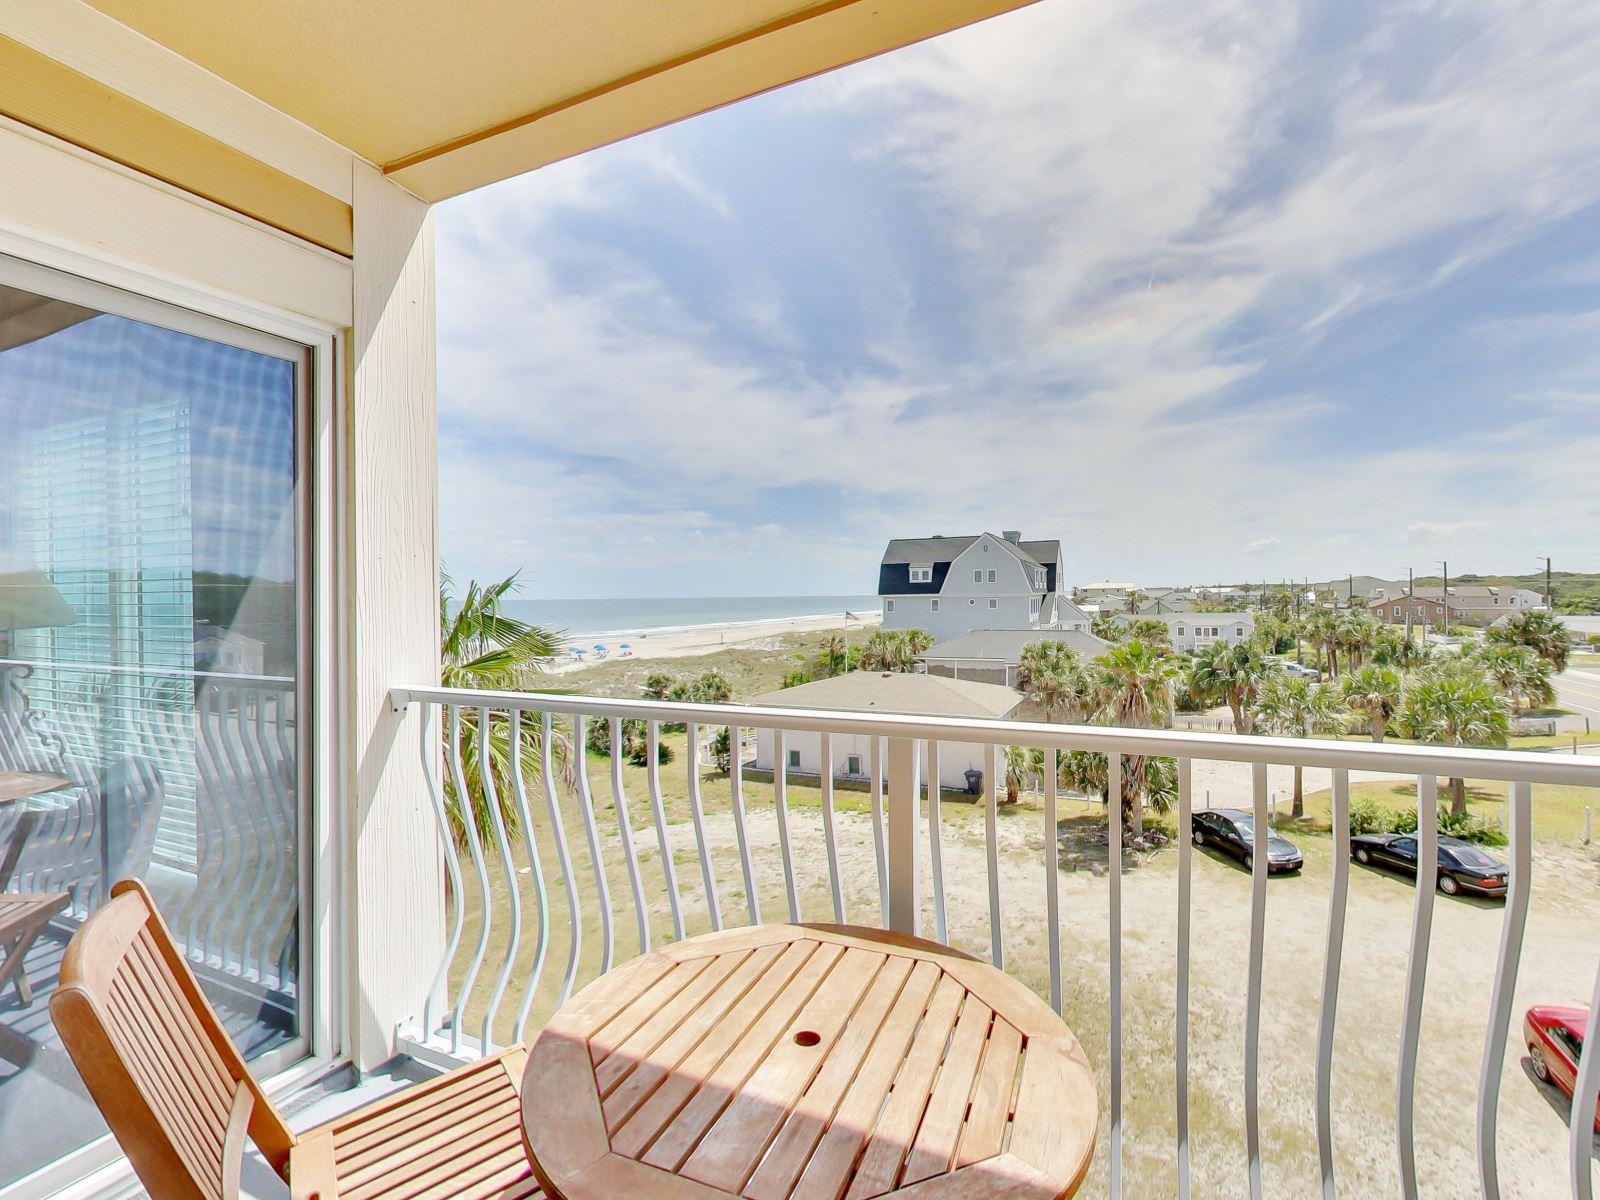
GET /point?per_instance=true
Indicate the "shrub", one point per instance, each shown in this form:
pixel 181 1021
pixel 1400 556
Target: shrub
pixel 1403 821
pixel 639 756
pixel 597 738
pixel 1367 817
pixel 722 750
pixel 1470 828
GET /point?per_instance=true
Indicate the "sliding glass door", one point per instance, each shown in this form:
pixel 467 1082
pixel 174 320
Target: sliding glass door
pixel 152 635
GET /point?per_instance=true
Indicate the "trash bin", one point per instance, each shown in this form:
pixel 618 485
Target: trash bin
pixel 974 781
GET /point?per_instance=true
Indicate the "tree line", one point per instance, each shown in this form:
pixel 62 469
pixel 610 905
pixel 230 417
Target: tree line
pixel 1373 675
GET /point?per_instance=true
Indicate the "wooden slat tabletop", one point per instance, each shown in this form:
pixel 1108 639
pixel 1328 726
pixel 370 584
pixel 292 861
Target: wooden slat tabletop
pixel 786 1062
pixel 19 785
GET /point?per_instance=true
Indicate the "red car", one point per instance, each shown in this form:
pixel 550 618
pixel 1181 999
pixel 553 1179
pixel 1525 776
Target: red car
pixel 1554 1034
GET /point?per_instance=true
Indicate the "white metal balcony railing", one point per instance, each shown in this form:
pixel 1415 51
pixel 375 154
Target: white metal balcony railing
pixel 468 986
pixel 186 778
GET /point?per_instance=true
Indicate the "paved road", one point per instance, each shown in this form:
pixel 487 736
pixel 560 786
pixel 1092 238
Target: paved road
pixel 1579 690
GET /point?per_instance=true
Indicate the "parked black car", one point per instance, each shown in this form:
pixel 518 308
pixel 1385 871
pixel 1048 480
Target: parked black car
pixel 1232 830
pixel 1463 867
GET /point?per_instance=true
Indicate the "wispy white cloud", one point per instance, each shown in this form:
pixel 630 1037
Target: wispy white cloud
pixel 1147 213
pixel 1440 531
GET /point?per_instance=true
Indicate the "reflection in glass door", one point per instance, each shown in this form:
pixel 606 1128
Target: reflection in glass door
pixel 150 650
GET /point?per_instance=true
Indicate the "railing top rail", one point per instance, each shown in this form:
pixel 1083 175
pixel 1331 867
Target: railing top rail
pixel 55 664
pixel 1511 765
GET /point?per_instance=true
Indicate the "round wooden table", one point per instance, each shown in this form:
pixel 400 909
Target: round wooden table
pixel 814 1062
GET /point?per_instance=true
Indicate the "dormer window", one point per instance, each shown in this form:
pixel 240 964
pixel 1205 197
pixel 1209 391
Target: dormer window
pixel 921 574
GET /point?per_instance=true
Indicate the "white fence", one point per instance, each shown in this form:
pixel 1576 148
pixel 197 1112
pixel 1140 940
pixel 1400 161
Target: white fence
pixel 905 747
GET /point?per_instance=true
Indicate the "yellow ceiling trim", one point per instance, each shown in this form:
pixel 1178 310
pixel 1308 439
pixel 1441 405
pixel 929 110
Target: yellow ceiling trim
pixel 42 93
pixel 810 42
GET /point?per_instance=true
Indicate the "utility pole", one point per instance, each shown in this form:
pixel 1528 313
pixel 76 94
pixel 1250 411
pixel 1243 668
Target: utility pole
pixel 1549 588
pixel 1352 590
pixel 1445 628
pixel 1299 652
pixel 1411 600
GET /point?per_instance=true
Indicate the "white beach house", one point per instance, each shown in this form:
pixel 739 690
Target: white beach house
pixel 1196 631
pixel 850 755
pixel 950 585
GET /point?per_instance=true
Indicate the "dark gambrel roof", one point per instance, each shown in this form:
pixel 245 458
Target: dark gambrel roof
pixel 926 550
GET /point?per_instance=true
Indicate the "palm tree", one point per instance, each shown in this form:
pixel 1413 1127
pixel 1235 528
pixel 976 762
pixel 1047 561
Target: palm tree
pixel 1138 684
pixel 1375 692
pixel 1355 633
pixel 1022 762
pixel 1541 632
pixel 1135 599
pixel 1319 627
pixel 711 688
pixel 832 658
pixel 1294 706
pixel 481 647
pixel 1148 629
pixel 657 686
pixel 1455 704
pixel 1518 672
pixel 722 750
pixel 895 649
pixel 1233 675
pixel 1393 649
pixel 1054 677
pixel 1083 771
pixel 1106 627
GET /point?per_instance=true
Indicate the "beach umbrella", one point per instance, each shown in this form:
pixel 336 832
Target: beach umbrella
pixel 626 646
pixel 598 646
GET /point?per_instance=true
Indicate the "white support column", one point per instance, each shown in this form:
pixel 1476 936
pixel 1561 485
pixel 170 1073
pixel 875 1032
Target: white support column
pixel 905 898
pixel 396 906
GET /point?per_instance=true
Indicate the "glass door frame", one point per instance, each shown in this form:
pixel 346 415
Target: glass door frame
pixel 314 350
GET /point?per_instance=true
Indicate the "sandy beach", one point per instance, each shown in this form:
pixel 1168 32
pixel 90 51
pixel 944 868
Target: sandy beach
pixel 704 639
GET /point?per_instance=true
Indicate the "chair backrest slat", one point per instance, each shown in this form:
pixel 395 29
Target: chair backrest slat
pixel 156 1059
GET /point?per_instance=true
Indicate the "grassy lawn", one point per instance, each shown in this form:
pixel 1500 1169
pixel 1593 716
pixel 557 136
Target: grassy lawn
pixel 1555 742
pixel 1558 812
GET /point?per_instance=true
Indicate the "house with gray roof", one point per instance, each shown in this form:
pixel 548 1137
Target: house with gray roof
pixel 992 655
pixel 951 585
pixel 850 755
pixel 1197 631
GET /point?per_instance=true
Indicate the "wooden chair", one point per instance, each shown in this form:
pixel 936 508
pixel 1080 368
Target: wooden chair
pixel 179 1099
pixel 22 920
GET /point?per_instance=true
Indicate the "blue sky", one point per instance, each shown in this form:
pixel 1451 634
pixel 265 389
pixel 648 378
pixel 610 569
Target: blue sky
pixel 1207 290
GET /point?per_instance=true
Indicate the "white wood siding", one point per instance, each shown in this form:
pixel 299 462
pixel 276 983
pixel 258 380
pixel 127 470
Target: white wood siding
pixel 964 602
pixel 396 857
pixel 955 758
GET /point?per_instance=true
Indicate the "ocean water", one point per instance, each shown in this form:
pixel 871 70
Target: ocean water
pixel 613 615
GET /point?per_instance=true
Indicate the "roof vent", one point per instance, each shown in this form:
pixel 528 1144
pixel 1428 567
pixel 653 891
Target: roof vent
pixel 1014 536
pixel 938 537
